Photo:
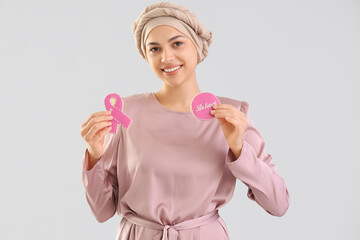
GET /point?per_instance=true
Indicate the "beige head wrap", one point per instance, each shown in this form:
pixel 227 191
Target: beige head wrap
pixel 166 13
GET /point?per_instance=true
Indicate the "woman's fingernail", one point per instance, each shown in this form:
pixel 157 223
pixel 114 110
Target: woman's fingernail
pixel 212 111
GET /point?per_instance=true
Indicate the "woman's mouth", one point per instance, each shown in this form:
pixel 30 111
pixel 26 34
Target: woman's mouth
pixel 172 70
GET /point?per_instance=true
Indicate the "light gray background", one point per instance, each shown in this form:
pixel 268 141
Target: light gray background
pixel 295 62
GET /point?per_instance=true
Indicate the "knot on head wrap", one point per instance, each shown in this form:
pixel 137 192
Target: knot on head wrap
pixel 166 13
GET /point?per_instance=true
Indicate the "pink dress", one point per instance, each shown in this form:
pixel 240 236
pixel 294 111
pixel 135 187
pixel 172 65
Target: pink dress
pixel 169 173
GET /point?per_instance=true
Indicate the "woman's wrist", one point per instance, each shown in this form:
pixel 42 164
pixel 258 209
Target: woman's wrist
pixel 236 151
pixel 92 160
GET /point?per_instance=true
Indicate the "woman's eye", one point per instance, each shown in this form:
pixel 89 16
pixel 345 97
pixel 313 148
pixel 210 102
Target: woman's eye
pixel 154 49
pixel 176 44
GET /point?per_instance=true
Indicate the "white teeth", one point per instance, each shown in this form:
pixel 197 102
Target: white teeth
pixel 172 69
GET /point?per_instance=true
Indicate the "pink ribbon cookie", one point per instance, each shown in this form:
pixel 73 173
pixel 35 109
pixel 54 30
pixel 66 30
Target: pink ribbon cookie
pixel 201 105
pixel 114 103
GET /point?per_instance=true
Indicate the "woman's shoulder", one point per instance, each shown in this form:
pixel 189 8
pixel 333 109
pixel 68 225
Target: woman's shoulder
pixel 138 101
pixel 136 96
pixel 240 104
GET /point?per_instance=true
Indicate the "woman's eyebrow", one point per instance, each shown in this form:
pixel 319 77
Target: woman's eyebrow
pixel 171 39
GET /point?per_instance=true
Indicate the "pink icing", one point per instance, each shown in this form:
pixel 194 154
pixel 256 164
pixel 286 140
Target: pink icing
pixel 201 105
pixel 116 112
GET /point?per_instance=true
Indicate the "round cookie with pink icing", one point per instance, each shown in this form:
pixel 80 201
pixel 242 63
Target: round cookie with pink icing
pixel 202 104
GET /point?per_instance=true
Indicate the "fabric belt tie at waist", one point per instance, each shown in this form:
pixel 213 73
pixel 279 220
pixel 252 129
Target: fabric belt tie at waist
pixel 171 232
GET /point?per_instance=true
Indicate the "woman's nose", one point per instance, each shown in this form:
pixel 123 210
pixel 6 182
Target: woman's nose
pixel 167 55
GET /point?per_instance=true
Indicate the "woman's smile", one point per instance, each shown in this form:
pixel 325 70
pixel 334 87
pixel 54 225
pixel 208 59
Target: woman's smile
pixel 172 71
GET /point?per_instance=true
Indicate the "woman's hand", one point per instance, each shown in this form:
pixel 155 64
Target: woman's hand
pixel 93 131
pixel 233 124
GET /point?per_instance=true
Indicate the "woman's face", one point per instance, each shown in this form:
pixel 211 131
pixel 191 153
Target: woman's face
pixel 171 55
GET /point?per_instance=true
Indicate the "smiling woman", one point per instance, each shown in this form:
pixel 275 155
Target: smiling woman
pixel 169 173
pixel 174 62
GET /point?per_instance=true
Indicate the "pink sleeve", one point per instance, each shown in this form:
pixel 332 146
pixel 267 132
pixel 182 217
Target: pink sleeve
pixel 255 169
pixel 100 182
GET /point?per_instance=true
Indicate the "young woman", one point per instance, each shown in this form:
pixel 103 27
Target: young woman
pixel 169 173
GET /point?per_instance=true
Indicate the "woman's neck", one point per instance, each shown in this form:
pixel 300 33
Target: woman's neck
pixel 177 99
